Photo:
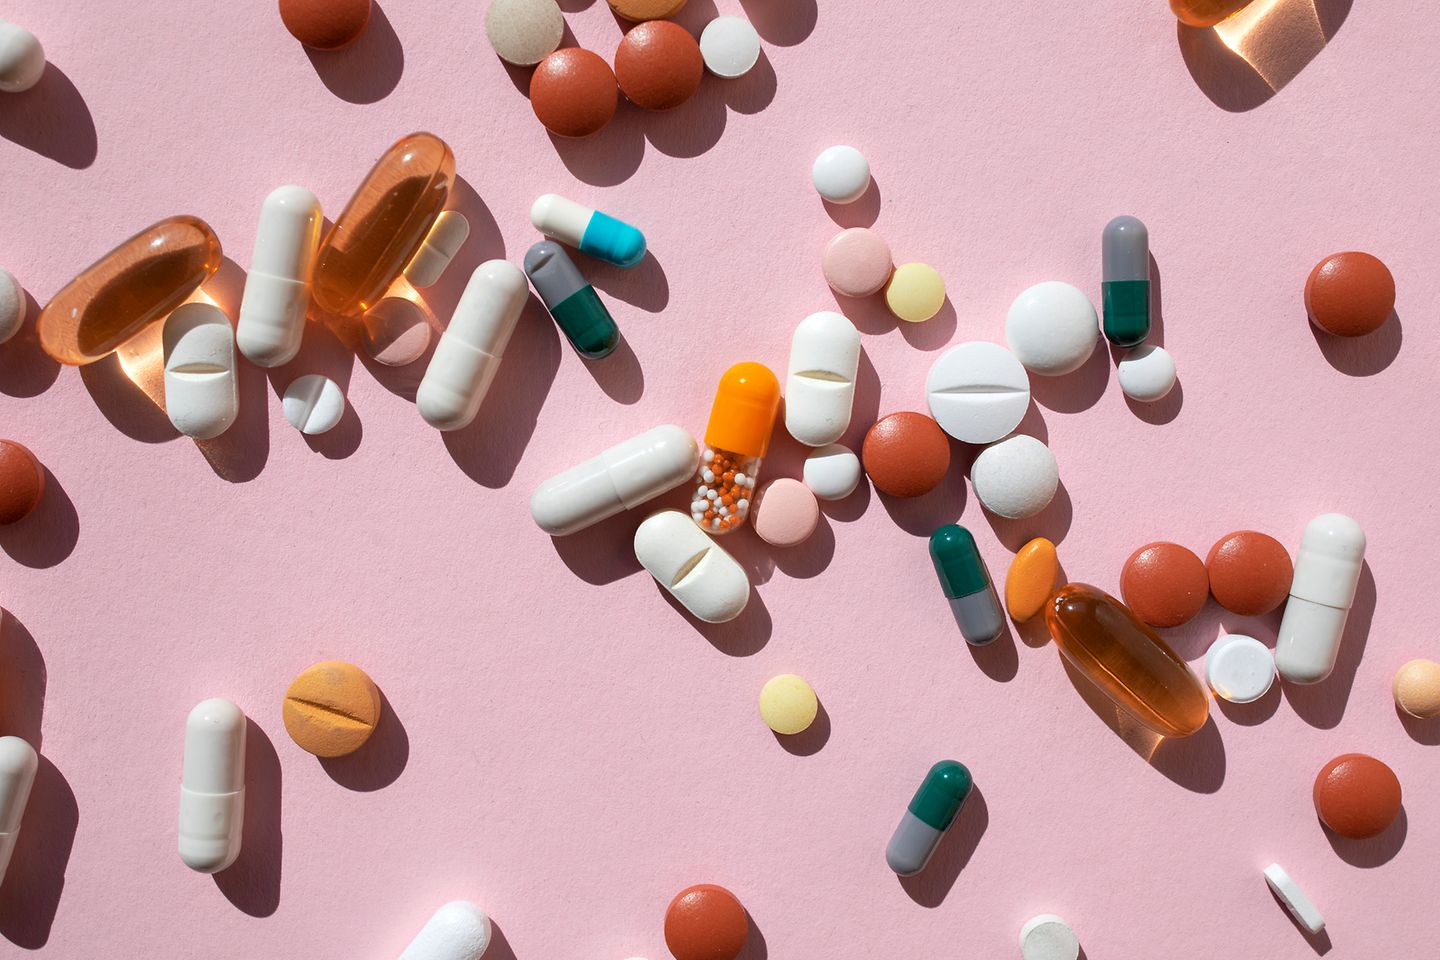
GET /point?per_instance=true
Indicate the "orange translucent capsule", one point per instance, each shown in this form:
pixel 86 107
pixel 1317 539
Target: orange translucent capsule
pixel 384 225
pixel 131 287
pixel 1206 13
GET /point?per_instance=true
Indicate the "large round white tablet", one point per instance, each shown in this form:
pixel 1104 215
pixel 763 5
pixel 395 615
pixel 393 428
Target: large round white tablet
pixel 12 306
pixel 1052 328
pixel 314 404
pixel 729 46
pixel 978 392
pixel 832 472
pixel 1048 937
pixel 841 174
pixel 1015 478
pixel 1147 373
pixel 1239 668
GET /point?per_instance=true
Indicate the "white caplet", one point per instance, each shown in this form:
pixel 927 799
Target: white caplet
pixel 18 764
pixel 201 394
pixel 458 931
pixel 1048 937
pixel 444 240
pixel 22 59
pixel 1300 906
pixel 12 306
pixel 820 386
pixel 695 569
pixel 978 392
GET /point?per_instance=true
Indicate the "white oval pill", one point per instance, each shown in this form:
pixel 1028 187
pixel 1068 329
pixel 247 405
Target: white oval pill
pixel 841 174
pixel 729 46
pixel 1239 668
pixel 12 306
pixel 444 240
pixel 1147 373
pixel 22 59
pixel 978 392
pixel 1300 906
pixel 624 476
pixel 314 404
pixel 458 931
pixel 820 387
pixel 1052 328
pixel 1015 478
pixel 832 472
pixel 201 397
pixel 1048 937
pixel 703 577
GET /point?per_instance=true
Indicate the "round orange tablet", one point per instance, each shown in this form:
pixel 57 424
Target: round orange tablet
pixel 1249 572
pixel 906 454
pixel 22 482
pixel 331 709
pixel 325 24
pixel 639 10
pixel 658 65
pixel 1357 796
pixel 1164 584
pixel 705 922
pixel 1350 294
pixel 1031 579
pixel 573 93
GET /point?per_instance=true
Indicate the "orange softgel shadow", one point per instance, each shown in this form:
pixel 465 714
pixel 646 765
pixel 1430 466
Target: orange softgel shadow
pixel 384 225
pixel 128 289
pixel 1206 13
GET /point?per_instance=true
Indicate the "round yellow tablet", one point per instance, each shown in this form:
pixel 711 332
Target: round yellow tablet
pixel 1417 689
pixel 915 292
pixel 788 704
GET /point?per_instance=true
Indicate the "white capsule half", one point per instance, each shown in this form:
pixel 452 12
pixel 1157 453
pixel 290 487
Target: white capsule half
pixel 444 240
pixel 622 477
pixel 695 569
pixel 1327 572
pixel 22 59
pixel 820 387
pixel 18 764
pixel 212 786
pixel 201 395
pixel 458 931
pixel 277 288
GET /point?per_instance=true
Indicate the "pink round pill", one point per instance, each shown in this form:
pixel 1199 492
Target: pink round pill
pixel 785 513
pixel 856 262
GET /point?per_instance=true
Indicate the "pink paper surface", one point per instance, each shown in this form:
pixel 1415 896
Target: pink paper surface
pixel 565 747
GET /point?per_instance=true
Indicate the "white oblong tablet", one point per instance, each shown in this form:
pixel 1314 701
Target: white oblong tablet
pixel 841 174
pixel 444 240
pixel 12 306
pixel 201 396
pixel 395 331
pixel 978 392
pixel 314 404
pixel 459 930
pixel 1147 373
pixel 624 476
pixel 1300 906
pixel 1239 668
pixel 820 387
pixel 18 764
pixel 695 569
pixel 729 46
pixel 1052 328
pixel 832 472
pixel 22 59
pixel 1015 478
pixel 1048 937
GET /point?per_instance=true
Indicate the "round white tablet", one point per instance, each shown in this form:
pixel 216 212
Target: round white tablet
pixel 12 306
pixel 1047 937
pixel 841 174
pixel 1015 478
pixel 978 392
pixel 1052 328
pixel 22 59
pixel 1147 373
pixel 832 472
pixel 524 32
pixel 314 404
pixel 729 46
pixel 1239 668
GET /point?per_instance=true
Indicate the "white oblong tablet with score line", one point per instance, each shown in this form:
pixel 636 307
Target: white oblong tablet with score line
pixel 1306 914
pixel 978 392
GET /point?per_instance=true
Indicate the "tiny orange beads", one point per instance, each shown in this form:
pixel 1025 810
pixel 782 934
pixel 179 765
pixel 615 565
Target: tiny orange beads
pixel 1031 579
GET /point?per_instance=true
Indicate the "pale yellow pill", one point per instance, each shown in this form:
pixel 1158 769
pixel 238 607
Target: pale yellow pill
pixel 915 292
pixel 788 704
pixel 1417 689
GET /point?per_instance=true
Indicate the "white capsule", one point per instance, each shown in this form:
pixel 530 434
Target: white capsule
pixel 469 351
pixel 212 786
pixel 201 396
pixel 458 931
pixel 695 569
pixel 12 306
pixel 820 386
pixel 277 288
pixel 18 764
pixel 1327 572
pixel 22 59
pixel 444 240
pixel 620 478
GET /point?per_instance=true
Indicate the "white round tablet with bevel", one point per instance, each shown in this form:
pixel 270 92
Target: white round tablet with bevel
pixel 841 174
pixel 314 404
pixel 1048 937
pixel 1147 373
pixel 1052 328
pixel 1239 668
pixel 1015 478
pixel 978 392
pixel 729 46
pixel 12 306
pixel 832 472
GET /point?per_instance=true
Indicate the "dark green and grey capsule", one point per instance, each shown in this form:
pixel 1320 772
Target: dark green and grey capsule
pixel 967 584
pixel 1125 286
pixel 572 301
pixel 929 815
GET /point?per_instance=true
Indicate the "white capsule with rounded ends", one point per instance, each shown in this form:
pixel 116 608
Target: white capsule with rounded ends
pixel 212 786
pixel 12 306
pixel 469 351
pixel 820 387
pixel 1015 478
pixel 1327 573
pixel 841 174
pixel 730 47
pixel 22 59
pixel 1239 669
pixel 1048 937
pixel 1147 373
pixel 1052 328
pixel 978 392
pixel 444 240
pixel 459 930
pixel 695 569
pixel 313 404
pixel 277 288
pixel 1301 907
pixel 620 478
pixel 18 764
pixel 832 472
pixel 201 395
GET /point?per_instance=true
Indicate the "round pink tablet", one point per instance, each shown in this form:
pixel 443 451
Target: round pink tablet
pixel 785 513
pixel 396 331
pixel 856 262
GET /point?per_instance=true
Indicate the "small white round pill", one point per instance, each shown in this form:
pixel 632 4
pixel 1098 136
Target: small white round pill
pixel 314 404
pixel 832 472
pixel 729 46
pixel 12 306
pixel 841 174
pixel 22 59
pixel 1015 478
pixel 1052 328
pixel 1047 937
pixel 978 392
pixel 1239 668
pixel 1147 373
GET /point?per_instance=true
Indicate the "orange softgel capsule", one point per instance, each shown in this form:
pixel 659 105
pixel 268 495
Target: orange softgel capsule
pixel 384 225
pixel 131 287
pixel 1126 660
pixel 1031 578
pixel 1206 13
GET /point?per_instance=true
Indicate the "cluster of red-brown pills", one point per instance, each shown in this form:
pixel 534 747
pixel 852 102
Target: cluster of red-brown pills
pixel 1247 572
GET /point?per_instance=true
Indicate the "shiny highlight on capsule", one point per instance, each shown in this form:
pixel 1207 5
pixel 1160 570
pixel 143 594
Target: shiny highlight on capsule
pixel 1206 13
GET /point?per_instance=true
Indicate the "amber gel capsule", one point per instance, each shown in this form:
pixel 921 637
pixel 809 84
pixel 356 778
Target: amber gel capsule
pixel 384 225
pixel 1124 658
pixel 131 287
pixel 1206 13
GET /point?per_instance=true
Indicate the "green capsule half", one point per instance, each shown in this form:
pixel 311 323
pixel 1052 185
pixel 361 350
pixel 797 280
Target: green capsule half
pixel 577 308
pixel 929 815
pixel 967 584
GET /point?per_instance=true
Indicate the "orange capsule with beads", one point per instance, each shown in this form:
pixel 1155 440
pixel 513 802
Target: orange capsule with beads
pixel 736 441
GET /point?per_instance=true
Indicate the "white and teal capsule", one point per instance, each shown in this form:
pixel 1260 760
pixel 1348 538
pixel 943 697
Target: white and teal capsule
pixel 927 818
pixel 589 231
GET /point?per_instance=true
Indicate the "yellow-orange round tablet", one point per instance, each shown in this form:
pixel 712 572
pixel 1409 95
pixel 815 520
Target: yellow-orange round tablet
pixel 1417 689
pixel 915 293
pixel 788 704
pixel 331 709
pixel 1031 579
pixel 642 10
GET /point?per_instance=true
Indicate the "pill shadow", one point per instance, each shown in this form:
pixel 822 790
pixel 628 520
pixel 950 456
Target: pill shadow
pixel 1076 391
pixel 48 535
pixel 369 69
pixel 1322 705
pixel 692 128
pixel 871 316
pixel 252 882
pixel 1319 942
pixel 379 761
pixel 931 886
pixel 1052 523
pixel 1374 851
pixel 1254 713
pixel 862 212
pixel 1156 333
pixel 619 374
pixel 327 347
pixel 602 553
pixel 812 739
pixel 999 660
pixel 1162 411
pixel 643 285
pixel 499 948
pixel 1361 356
pixel 751 93
pixel 921 516
pixel 574 6
pixel 23 679
pixel 784 25
pixel 35 880
pixel 607 158
pixel 25 369
pixel 810 558
pixel 755 946
pixel 1425 732
pixel 744 636
pixel 51 119
pixel 239 454
pixel 124 404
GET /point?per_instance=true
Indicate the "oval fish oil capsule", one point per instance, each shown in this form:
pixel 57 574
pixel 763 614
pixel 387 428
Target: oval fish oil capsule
pixel 1206 13
pixel 736 440
pixel 459 930
pixel 620 478
pixel 134 285
pixel 695 569
pixel 578 310
pixel 1125 290
pixel 470 349
pixel 201 396
pixel 383 225
pixel 931 811
pixel 18 764
pixel 820 387
pixel 212 786
pixel 1327 572
pixel 441 244
pixel 22 58
pixel 277 288
pixel 967 585
pixel 589 231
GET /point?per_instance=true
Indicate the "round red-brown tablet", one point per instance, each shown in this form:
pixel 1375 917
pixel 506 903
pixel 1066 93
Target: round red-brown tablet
pixel 22 482
pixel 1357 796
pixel 705 922
pixel 325 24
pixel 573 93
pixel 1350 294
pixel 906 454
pixel 658 65
pixel 1164 584
pixel 1250 572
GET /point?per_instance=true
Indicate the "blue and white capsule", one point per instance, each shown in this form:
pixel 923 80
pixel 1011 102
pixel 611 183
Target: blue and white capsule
pixel 589 231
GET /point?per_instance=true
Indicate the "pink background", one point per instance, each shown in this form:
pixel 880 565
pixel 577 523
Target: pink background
pixel 564 746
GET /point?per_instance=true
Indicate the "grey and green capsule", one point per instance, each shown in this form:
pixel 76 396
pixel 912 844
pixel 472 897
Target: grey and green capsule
pixel 967 584
pixel 1125 290
pixel 927 818
pixel 574 304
